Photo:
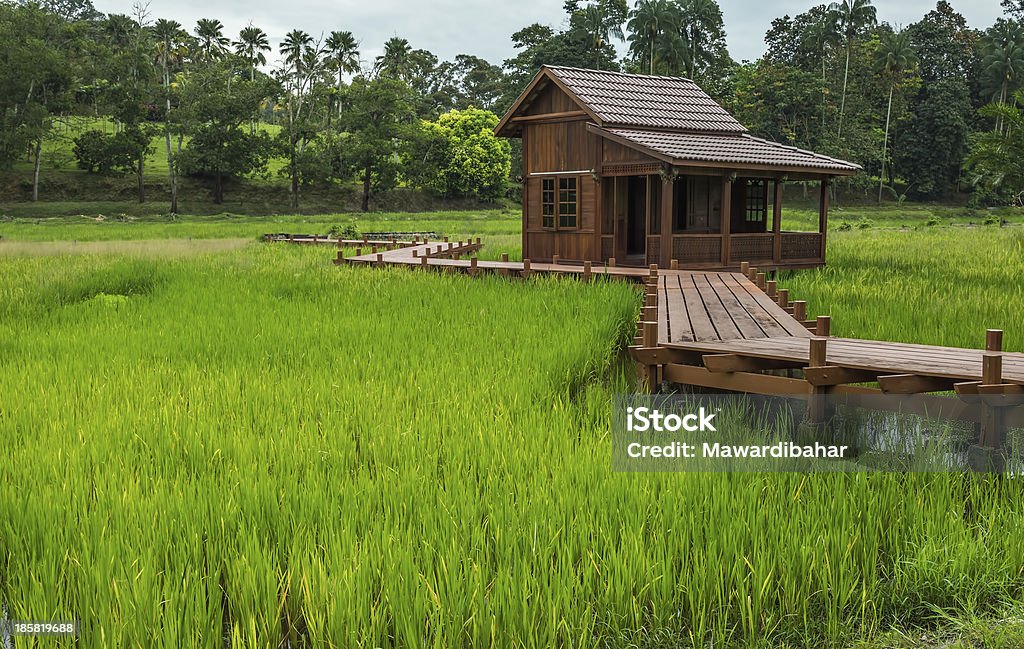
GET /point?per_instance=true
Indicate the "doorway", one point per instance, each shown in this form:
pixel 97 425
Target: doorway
pixel 636 216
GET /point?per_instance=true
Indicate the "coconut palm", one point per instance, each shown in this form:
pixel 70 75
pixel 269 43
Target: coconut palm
pixel 343 51
pixel 396 58
pixel 601 26
pixel 170 45
pixel 823 34
pixel 251 44
pixel 648 22
pixel 700 25
pixel 894 59
pixel 293 49
pixel 1003 61
pixel 212 42
pixel 852 17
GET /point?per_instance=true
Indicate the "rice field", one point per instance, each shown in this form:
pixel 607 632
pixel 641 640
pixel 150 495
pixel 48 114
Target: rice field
pixel 249 447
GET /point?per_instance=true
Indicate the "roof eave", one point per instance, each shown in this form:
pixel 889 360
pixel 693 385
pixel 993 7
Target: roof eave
pixel 686 162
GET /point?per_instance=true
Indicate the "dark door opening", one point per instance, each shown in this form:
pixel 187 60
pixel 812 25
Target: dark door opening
pixel 636 216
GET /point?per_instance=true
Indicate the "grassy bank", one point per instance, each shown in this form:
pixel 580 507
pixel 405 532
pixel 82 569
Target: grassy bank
pixel 254 444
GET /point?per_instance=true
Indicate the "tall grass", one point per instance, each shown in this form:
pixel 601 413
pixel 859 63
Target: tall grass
pixel 256 445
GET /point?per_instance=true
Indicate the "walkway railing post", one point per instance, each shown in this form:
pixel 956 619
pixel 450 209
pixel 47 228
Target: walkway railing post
pixel 817 357
pixel 586 271
pixel 988 454
pixel 823 325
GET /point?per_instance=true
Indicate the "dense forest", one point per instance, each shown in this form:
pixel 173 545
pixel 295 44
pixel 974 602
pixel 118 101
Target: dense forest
pixel 931 110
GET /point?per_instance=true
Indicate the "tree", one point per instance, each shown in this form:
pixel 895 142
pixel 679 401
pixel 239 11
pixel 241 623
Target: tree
pixel 996 159
pixel 1003 61
pixel 218 107
pixel 895 57
pixel 459 155
pixel 343 52
pixel 648 23
pixel 395 61
pixel 702 29
pixel 602 20
pixel 852 17
pixel 170 49
pixel 37 50
pixel 302 61
pixel 212 42
pixel 250 47
pixel 379 120
pixel 936 138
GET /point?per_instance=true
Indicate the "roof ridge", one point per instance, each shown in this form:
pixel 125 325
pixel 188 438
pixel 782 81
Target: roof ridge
pixel 617 73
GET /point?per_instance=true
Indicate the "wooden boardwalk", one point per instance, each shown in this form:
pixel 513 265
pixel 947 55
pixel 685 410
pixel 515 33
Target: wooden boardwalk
pixel 737 331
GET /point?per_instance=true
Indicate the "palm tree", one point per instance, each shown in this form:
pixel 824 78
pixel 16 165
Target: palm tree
pixel 294 47
pixel 895 57
pixel 601 27
pixel 700 25
pixel 823 34
pixel 170 38
pixel 1003 62
pixel 852 16
pixel 343 50
pixel 647 23
pixel 396 58
pixel 213 44
pixel 251 44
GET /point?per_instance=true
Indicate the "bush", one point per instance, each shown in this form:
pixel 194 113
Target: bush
pixel 103 153
pixel 932 222
pixel 844 226
pixel 864 224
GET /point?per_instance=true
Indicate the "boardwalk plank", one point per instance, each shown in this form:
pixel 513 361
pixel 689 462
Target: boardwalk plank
pixel 724 326
pixel 700 321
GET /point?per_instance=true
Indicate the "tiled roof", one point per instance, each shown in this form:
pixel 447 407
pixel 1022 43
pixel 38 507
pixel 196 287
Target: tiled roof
pixel 730 149
pixel 647 101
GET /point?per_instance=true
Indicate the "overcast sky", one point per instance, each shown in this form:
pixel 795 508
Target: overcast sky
pixel 483 28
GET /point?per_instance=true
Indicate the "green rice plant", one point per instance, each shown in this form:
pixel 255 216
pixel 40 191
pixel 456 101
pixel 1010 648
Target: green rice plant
pixel 257 447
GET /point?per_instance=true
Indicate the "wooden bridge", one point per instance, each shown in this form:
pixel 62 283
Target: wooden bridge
pixel 740 332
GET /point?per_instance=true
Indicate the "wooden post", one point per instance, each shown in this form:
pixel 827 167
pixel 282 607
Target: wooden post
pixel 772 289
pixel 784 297
pixel 478 241
pixel 745 268
pixel 373 250
pixel 554 259
pixel 800 310
pixel 611 262
pixel 359 251
pixel 667 209
pixel 752 273
pixel 674 264
pixel 817 357
pixel 526 269
pixel 341 257
pixel 726 219
pixel 415 253
pixel 380 259
pixel 823 325
pixel 423 262
pixel 445 239
pixel 823 215
pixel 994 340
pixel 473 269
pixel 586 271
pixel 760 281
pixel 504 257
pixel 777 223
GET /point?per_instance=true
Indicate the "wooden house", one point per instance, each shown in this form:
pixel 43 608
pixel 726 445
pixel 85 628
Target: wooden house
pixel 646 170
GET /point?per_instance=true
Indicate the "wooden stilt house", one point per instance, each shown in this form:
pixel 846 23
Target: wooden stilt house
pixel 646 170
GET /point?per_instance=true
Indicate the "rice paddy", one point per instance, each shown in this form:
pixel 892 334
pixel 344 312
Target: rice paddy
pixel 253 448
